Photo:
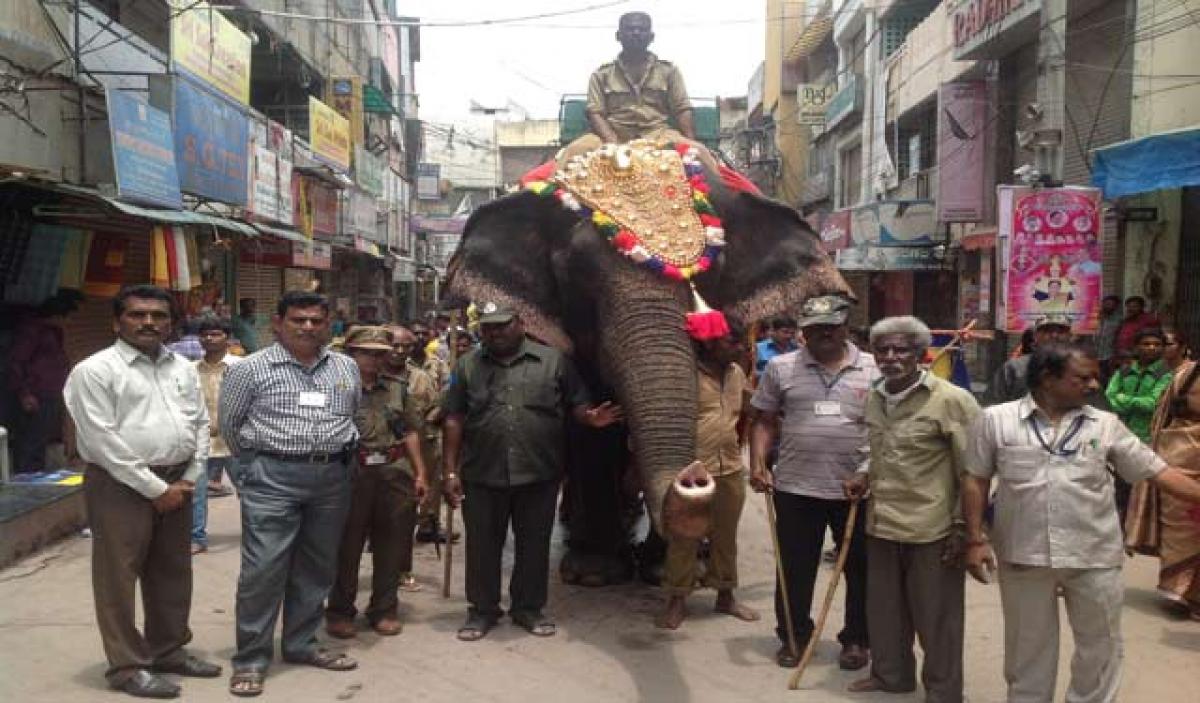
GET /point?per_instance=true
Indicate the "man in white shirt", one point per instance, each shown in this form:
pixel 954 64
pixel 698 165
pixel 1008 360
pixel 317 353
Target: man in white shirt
pixel 1056 523
pixel 142 426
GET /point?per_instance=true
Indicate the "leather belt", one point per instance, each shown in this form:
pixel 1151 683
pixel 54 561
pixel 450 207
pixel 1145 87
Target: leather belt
pixel 310 458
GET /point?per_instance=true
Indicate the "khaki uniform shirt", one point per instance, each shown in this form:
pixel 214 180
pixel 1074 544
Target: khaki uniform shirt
pixel 383 418
pixel 718 408
pixel 422 394
pixel 1054 506
pixel 636 109
pixel 918 451
pixel 515 413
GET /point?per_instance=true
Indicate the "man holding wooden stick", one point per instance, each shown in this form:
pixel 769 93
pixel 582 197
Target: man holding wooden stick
pixel 821 391
pixel 917 426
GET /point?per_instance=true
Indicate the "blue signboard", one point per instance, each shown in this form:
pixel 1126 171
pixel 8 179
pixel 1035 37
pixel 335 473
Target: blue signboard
pixel 211 143
pixel 143 153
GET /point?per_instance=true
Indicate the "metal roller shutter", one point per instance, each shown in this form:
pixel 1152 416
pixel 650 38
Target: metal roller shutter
pixel 1099 85
pixel 265 285
pixel 1187 283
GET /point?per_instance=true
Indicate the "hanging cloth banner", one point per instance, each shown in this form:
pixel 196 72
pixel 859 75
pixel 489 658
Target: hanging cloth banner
pixel 105 266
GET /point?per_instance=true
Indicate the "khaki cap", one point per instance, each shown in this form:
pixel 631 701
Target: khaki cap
pixel 365 337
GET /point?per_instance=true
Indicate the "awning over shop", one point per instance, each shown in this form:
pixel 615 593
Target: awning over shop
pixel 283 233
pixel 1158 162
pixel 172 217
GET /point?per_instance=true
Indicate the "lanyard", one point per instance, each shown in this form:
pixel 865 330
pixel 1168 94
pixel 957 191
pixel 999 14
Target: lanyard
pixel 1061 450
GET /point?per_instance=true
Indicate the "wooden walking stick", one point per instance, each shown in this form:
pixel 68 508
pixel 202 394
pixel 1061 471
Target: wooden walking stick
pixel 448 555
pixel 783 590
pixel 843 552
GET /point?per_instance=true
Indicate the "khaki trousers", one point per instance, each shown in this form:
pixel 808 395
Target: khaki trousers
pixel 383 506
pixel 1093 598
pixel 132 544
pixel 679 571
pixel 429 512
pixel 910 592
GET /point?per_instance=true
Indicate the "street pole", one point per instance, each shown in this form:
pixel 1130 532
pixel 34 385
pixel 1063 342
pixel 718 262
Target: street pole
pixel 1051 89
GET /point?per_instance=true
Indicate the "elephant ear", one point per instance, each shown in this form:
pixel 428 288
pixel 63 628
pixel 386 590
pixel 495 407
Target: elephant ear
pixel 507 255
pixel 772 261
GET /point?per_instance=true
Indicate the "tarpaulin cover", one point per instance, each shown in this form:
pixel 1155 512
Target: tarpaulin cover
pixel 1158 162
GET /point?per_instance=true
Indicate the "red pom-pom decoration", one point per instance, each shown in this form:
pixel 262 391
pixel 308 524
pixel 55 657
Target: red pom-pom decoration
pixel 709 220
pixel 624 240
pixel 710 324
pixel 672 271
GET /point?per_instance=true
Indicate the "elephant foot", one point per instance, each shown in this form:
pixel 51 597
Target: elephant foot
pixel 687 507
pixel 594 570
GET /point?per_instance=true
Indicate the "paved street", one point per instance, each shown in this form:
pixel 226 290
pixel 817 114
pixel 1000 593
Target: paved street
pixel 606 649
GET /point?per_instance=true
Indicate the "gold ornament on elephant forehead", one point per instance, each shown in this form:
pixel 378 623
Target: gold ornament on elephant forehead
pixel 645 190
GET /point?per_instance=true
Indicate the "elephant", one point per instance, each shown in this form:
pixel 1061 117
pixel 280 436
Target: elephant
pixel 625 327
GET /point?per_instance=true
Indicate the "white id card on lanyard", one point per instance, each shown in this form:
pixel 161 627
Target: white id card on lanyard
pixel 312 399
pixel 827 407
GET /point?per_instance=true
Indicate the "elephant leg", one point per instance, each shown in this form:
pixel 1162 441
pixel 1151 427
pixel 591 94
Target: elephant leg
pixel 597 543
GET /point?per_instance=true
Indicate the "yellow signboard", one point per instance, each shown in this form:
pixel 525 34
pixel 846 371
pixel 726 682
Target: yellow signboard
pixel 210 47
pixel 346 96
pixel 329 133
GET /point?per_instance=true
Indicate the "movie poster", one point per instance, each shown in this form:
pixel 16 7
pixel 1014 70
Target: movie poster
pixel 1054 256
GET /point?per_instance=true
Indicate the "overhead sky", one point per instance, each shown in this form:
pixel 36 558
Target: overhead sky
pixel 717 43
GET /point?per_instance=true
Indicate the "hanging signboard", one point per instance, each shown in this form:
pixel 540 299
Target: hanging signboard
pixel 894 223
pixel 265 192
pixel 329 133
pixel 143 152
pixel 962 151
pixel 210 48
pixel 368 171
pixel 429 186
pixel 1054 255
pixel 346 97
pixel 813 99
pixel 211 142
pixel 314 255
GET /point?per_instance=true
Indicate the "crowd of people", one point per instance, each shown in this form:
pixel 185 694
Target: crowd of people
pixel 331 450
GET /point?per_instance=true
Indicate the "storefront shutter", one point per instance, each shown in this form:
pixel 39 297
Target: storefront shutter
pixel 90 328
pixel 265 285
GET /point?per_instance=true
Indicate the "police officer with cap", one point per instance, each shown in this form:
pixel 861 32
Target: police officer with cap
pixel 390 482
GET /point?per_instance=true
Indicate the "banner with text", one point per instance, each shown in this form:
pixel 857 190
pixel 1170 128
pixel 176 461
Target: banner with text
pixel 1054 255
pixel 211 48
pixel 143 152
pixel 212 138
pixel 962 151
pixel 329 133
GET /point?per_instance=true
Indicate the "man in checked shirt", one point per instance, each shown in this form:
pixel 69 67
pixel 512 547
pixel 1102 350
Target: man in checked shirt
pixel 1056 523
pixel 287 412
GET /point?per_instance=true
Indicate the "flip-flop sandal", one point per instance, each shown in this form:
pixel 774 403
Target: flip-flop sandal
pixel 246 684
pixel 538 627
pixel 324 659
pixel 474 630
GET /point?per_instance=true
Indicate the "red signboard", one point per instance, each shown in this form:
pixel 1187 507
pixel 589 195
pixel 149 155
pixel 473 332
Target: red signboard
pixel 316 206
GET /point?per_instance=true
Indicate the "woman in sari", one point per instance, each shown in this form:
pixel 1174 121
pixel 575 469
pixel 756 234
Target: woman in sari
pixel 1158 524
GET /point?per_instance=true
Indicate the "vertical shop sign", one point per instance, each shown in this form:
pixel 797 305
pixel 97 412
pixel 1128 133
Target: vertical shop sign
pixel 346 97
pixel 1054 256
pixel 329 133
pixel 962 151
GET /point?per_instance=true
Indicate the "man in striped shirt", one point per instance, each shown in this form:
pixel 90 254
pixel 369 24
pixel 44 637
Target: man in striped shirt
pixel 287 412
pixel 821 392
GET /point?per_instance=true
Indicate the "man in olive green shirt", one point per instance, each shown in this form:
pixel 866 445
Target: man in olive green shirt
pixel 505 409
pixel 917 426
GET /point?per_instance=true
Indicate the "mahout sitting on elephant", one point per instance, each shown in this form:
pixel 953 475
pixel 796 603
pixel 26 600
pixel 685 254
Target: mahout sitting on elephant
pixel 616 259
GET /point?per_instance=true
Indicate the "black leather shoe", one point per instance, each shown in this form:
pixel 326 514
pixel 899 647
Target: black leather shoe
pixel 190 666
pixel 143 684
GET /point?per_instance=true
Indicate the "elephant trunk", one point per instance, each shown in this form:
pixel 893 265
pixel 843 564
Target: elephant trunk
pixel 653 365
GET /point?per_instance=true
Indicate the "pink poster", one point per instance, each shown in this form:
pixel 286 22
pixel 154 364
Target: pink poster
pixel 1054 257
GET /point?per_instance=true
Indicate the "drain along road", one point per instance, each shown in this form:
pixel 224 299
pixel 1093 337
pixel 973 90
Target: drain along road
pixel 606 649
